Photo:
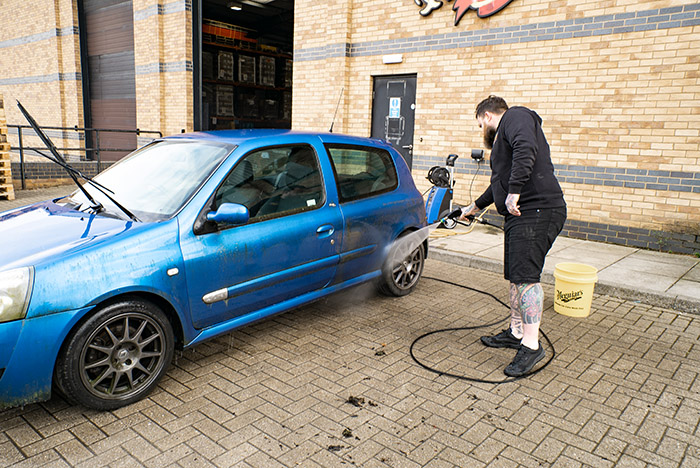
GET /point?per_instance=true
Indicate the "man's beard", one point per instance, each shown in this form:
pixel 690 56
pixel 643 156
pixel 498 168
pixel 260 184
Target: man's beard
pixel 489 137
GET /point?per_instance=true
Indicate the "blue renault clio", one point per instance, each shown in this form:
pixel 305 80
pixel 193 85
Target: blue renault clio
pixel 188 238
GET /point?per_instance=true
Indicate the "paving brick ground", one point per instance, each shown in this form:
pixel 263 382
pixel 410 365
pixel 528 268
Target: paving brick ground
pixel 623 391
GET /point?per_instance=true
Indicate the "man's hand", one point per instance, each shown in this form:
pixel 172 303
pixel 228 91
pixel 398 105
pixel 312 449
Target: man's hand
pixel 512 204
pixel 468 211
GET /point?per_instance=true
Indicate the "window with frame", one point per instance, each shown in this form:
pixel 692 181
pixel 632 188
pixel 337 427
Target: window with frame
pixel 274 182
pixel 361 171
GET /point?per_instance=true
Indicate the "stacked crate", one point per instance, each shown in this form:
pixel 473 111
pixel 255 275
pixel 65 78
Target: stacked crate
pixel 7 192
pixel 243 81
pixel 267 71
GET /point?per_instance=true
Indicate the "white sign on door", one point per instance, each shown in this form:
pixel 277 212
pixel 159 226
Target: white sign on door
pixel 394 107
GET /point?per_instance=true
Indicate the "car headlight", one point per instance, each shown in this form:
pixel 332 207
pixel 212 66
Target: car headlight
pixel 15 290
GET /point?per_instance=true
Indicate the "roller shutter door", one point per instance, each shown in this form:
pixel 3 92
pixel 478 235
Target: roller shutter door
pixel 110 50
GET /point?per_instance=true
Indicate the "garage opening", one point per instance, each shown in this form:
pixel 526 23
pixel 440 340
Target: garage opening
pixel 245 51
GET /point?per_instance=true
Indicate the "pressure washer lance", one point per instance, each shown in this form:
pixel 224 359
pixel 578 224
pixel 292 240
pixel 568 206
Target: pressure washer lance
pixel 457 212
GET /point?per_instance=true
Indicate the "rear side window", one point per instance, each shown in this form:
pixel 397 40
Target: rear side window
pixel 361 171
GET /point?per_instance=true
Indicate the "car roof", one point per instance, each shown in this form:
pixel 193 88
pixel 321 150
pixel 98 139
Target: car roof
pixel 267 136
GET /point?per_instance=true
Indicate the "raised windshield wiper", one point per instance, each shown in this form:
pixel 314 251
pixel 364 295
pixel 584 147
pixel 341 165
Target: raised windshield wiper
pixel 72 172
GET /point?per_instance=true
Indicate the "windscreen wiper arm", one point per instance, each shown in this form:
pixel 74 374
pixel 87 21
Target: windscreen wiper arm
pixel 69 168
pixel 90 181
pixel 58 159
pixel 49 144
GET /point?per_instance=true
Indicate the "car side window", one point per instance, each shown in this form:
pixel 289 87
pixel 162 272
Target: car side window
pixel 274 182
pixel 362 171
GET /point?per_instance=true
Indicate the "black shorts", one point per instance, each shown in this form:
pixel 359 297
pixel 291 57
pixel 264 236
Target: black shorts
pixel 528 238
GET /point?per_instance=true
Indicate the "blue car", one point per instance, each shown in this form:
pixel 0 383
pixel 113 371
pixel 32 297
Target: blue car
pixel 188 238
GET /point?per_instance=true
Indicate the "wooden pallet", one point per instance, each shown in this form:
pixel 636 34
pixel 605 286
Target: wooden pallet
pixel 7 192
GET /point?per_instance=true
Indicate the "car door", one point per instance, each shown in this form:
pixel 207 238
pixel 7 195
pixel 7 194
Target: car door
pixel 288 248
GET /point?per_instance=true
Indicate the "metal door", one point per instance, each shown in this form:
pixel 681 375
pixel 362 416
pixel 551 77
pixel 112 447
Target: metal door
pixel 393 112
pixel 111 71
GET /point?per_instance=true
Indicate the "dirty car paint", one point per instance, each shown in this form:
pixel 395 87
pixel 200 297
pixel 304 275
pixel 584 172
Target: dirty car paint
pixel 81 261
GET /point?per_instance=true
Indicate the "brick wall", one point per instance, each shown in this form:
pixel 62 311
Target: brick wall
pixel 48 174
pixel 616 83
pixel 40 59
pixel 163 56
pixel 319 85
pixel 40 63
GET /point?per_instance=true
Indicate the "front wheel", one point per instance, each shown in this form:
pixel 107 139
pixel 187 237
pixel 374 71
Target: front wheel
pixel 402 268
pixel 117 356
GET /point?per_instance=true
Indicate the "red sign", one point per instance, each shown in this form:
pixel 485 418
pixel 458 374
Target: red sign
pixel 484 8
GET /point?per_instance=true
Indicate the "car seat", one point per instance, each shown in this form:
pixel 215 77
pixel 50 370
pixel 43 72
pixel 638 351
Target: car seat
pixel 299 186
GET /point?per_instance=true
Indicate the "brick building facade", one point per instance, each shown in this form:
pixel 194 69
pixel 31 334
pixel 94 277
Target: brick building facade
pixel 41 63
pixel 617 83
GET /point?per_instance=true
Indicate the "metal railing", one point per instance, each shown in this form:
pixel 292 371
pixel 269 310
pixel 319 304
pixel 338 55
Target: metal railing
pixel 91 136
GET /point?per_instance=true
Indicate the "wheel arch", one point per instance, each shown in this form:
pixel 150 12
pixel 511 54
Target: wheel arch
pixel 149 300
pixel 159 301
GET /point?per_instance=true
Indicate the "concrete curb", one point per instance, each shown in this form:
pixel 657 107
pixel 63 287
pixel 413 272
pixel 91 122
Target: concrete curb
pixel 682 304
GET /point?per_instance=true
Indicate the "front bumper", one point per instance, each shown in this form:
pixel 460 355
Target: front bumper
pixel 28 351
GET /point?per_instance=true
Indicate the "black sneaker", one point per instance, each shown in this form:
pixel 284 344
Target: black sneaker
pixel 505 339
pixel 524 361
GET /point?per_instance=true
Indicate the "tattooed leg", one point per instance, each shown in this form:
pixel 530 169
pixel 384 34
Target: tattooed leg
pixel 516 320
pixel 529 299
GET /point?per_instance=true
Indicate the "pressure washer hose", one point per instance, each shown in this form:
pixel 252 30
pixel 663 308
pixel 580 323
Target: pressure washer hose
pixel 463 377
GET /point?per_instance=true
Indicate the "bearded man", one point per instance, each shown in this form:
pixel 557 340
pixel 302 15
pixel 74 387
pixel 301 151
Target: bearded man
pixel 525 191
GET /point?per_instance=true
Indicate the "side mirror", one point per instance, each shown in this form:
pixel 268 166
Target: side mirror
pixel 230 213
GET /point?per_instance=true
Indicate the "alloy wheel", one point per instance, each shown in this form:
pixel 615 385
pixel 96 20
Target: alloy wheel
pixel 123 356
pixel 408 271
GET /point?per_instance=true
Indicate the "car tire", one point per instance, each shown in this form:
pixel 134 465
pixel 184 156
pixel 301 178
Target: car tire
pixel 401 271
pixel 117 356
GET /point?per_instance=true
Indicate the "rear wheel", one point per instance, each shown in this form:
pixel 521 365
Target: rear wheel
pixel 402 268
pixel 117 356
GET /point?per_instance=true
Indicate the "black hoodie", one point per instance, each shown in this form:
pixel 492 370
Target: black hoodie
pixel 520 163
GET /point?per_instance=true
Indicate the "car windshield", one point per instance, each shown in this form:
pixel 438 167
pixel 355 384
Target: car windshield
pixel 155 181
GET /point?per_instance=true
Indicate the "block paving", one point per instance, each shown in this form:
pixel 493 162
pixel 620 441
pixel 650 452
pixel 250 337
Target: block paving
pixel 333 384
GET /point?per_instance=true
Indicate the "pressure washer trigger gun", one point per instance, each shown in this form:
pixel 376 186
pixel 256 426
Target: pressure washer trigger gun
pixel 454 215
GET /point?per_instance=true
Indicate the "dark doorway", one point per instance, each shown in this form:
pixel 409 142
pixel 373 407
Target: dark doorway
pixel 243 63
pixel 393 112
pixel 109 84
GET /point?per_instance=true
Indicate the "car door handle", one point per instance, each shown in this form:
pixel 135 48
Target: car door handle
pixel 325 230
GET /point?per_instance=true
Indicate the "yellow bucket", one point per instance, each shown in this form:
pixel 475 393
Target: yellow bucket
pixel 573 288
